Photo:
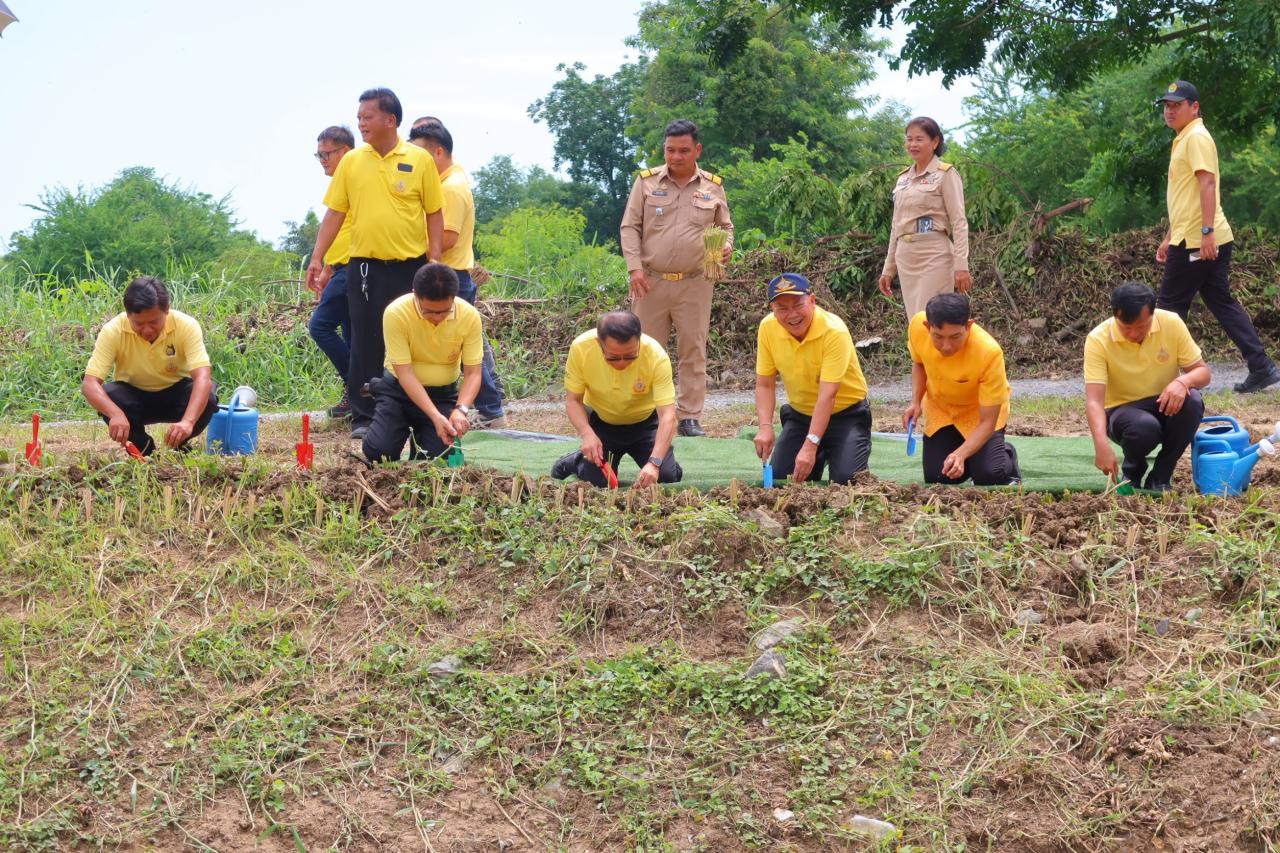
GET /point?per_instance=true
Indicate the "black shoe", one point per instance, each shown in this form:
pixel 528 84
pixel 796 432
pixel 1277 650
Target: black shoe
pixel 359 432
pixel 1257 380
pixel 1157 486
pixel 691 428
pixel 342 411
pixel 566 465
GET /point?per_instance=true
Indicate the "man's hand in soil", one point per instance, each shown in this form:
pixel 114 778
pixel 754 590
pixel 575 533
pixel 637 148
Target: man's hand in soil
pixel 647 477
pixel 592 449
pixel 1104 459
pixel 177 434
pixel 639 284
pixel 764 442
pixel 118 428
pixel 953 465
pixel 805 460
pixel 1172 397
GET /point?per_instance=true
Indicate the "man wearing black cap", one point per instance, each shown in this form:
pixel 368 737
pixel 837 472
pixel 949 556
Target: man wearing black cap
pixel 1196 252
pixel 827 419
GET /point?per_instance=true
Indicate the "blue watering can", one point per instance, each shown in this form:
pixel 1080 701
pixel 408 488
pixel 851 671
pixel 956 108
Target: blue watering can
pixel 233 431
pixel 1221 466
pixel 1230 431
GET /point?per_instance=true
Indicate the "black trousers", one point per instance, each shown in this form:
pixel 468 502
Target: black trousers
pixel 158 407
pixel 634 440
pixel 995 463
pixel 1138 427
pixel 1184 278
pixel 396 417
pixel 372 285
pixel 845 446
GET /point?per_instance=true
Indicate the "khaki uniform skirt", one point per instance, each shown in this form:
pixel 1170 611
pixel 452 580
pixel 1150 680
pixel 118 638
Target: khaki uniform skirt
pixel 926 267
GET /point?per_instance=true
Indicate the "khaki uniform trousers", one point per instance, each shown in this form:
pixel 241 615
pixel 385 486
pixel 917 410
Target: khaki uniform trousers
pixel 687 304
pixel 925 268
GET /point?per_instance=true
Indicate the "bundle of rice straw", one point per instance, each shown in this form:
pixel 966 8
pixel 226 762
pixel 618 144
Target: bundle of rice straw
pixel 714 239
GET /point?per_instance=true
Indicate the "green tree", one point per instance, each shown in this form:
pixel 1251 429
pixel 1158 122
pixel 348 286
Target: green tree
pixel 136 223
pixel 300 237
pixel 500 187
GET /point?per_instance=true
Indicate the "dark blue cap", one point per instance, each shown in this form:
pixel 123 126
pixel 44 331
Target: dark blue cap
pixel 1179 90
pixel 789 282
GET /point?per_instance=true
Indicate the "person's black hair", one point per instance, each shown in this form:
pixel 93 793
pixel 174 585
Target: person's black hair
pixel 621 326
pixel 144 293
pixel 421 120
pixel 947 308
pixel 437 133
pixel 1128 300
pixel 387 102
pixel 681 127
pixel 338 135
pixel 435 281
pixel 931 130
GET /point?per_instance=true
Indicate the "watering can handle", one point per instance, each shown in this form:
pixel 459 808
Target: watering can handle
pixel 1216 445
pixel 226 431
pixel 1215 418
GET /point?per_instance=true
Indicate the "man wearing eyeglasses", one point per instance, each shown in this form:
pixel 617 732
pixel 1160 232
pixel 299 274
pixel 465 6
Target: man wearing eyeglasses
pixel 827 420
pixel 625 378
pixel 432 339
pixel 330 325
pixel 391 191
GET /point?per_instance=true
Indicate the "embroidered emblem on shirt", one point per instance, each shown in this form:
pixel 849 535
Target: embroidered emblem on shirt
pixel 400 186
pixel 639 386
pixel 1162 356
pixel 405 167
pixel 170 351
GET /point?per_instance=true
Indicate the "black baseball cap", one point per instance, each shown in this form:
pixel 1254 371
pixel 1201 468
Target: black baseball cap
pixel 1179 90
pixel 789 283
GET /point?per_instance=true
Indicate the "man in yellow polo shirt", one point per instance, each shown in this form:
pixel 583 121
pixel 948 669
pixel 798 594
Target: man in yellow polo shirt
pixel 459 233
pixel 330 325
pixel 624 376
pixel 827 420
pixel 1142 378
pixel 1196 251
pixel 162 371
pixel 391 191
pixel 432 339
pixel 958 384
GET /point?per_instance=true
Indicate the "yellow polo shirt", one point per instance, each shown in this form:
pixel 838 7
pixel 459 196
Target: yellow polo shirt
pixel 957 385
pixel 1194 150
pixel 1137 371
pixel 149 366
pixel 825 355
pixel 386 199
pixel 459 217
pixel 625 396
pixel 340 249
pixel 436 352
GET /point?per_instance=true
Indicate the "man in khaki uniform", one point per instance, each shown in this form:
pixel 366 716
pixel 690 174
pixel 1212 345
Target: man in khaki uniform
pixel 669 209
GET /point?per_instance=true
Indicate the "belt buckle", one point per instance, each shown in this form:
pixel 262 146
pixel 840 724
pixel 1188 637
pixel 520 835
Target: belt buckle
pixel 672 276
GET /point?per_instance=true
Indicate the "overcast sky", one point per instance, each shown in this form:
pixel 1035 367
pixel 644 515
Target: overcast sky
pixel 227 97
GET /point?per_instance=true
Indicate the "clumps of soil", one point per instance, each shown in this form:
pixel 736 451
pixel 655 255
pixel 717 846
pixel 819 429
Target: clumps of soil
pixel 1084 643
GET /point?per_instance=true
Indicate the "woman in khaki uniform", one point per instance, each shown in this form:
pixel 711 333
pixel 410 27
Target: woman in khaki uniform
pixel 929 243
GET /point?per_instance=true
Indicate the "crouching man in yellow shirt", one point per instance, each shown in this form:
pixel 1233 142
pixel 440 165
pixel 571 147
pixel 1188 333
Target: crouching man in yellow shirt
pixel 432 339
pixel 1142 378
pixel 827 419
pixel 958 384
pixel 624 376
pixel 162 371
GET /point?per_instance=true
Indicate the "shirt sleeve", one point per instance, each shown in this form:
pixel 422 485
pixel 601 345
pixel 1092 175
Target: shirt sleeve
pixel 473 341
pixel 1095 363
pixel 837 351
pixel 632 224
pixel 191 339
pixel 765 365
pixel 335 197
pixel 455 207
pixel 104 352
pixel 953 199
pixel 915 339
pixel 396 335
pixel 993 384
pixel 722 217
pixel 1201 153
pixel 575 381
pixel 1188 350
pixel 432 194
pixel 890 267
pixel 664 386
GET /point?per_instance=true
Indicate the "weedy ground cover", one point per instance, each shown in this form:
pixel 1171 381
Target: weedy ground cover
pixel 213 654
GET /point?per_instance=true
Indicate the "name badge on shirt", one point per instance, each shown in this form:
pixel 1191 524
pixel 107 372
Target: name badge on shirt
pixel 924 225
pixel 706 196
pixel 405 167
pixel 659 193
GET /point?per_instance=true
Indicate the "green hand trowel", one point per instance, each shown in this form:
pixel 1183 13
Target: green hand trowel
pixel 454 459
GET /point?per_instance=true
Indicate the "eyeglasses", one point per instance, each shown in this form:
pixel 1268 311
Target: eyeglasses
pixel 323 156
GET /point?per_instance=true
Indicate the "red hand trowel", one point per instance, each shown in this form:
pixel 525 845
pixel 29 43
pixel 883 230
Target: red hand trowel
pixel 34 450
pixel 132 450
pixel 610 477
pixel 305 449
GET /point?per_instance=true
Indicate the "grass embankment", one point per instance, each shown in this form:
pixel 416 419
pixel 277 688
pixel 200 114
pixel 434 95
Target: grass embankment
pixel 210 653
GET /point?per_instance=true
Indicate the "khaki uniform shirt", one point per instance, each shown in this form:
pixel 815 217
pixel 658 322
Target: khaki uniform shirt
pixel 929 201
pixel 663 223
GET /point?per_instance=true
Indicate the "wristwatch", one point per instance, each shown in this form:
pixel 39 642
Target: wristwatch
pixel 813 438
pixel 1206 230
pixel 655 461
pixel 462 407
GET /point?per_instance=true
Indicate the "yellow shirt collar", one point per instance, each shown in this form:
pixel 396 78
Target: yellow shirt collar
pixel 1190 126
